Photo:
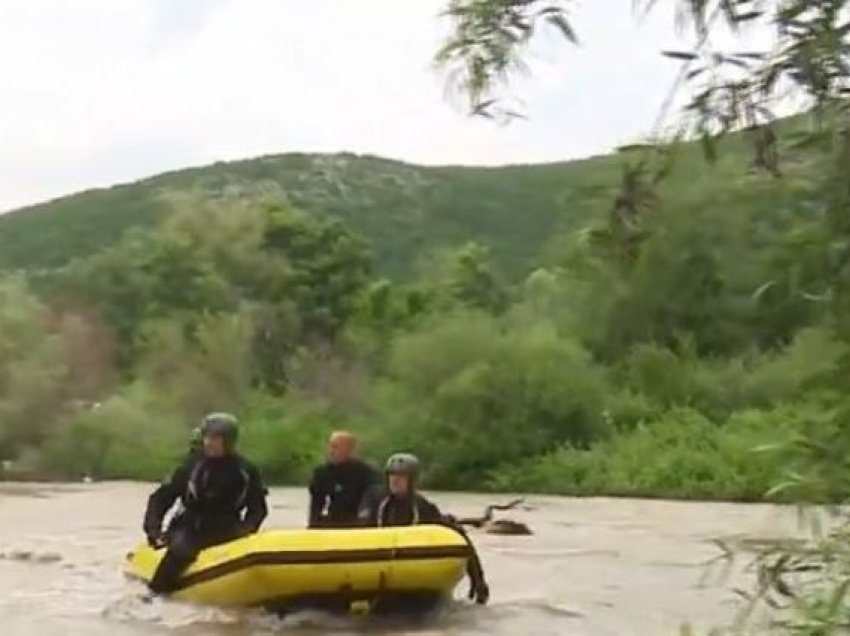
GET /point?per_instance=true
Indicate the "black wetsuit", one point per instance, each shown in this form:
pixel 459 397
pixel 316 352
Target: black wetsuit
pixel 336 491
pixel 380 508
pixel 222 499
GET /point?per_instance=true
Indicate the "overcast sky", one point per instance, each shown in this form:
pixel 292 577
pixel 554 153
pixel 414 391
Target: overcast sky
pixel 94 92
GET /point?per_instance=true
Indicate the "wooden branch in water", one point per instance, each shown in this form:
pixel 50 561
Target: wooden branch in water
pixel 478 522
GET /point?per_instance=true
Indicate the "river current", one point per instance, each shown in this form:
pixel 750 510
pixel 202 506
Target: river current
pixel 598 566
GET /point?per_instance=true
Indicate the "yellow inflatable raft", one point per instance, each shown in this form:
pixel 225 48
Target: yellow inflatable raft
pixel 352 569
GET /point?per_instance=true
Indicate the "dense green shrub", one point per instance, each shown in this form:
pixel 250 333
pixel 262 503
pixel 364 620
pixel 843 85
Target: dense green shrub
pixel 471 395
pixel 683 454
pixel 286 439
pixel 129 436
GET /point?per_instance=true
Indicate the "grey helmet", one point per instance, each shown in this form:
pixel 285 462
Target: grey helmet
pixel 403 464
pixel 223 424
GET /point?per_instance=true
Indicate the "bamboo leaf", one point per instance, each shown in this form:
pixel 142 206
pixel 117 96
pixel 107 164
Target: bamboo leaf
pixel 560 23
pixel 782 487
pixel 735 62
pixel 680 55
pixel 763 289
pixel 550 11
pixel 748 17
pixel 750 55
pixel 634 147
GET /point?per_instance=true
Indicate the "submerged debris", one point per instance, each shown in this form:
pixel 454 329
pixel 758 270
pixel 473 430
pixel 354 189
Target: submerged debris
pixel 30 556
pixel 498 526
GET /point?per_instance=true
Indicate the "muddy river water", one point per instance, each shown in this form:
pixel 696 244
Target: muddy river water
pixel 594 566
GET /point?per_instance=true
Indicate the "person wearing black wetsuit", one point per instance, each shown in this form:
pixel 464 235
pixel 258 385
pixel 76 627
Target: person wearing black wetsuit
pixel 222 498
pixel 338 486
pixel 397 503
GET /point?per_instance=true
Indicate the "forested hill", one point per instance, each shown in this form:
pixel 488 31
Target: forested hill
pixel 404 211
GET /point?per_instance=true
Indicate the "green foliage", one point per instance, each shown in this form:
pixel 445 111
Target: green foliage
pixel 128 436
pixel 464 382
pixel 286 439
pixel 466 276
pixel 197 371
pixel 717 387
pixel 271 313
pixel 32 369
pixel 292 277
pixel 487 43
pixel 682 454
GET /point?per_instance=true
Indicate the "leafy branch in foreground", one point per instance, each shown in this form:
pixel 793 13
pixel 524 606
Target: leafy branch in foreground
pixel 803 584
pixel 805 67
pixel 487 45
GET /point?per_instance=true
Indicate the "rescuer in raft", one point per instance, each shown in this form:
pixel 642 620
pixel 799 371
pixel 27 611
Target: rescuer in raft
pixel 397 503
pixel 338 486
pixel 222 499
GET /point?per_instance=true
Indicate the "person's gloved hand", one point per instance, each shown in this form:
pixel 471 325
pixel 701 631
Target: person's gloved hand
pixel 479 591
pixel 155 540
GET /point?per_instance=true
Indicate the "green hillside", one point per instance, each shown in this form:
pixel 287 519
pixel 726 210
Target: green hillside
pixel 403 210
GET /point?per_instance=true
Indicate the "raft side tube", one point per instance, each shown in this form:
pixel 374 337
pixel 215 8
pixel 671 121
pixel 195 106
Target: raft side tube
pixel 290 566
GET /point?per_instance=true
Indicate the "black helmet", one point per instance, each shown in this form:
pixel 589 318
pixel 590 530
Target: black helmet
pixel 403 464
pixel 223 424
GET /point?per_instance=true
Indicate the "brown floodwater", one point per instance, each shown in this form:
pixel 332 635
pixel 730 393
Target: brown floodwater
pixel 594 566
